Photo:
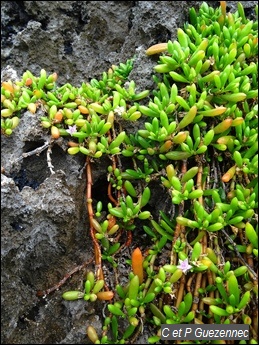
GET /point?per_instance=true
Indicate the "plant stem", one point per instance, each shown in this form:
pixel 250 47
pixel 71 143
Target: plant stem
pixel 97 249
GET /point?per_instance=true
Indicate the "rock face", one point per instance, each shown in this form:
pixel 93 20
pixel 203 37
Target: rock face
pixel 44 220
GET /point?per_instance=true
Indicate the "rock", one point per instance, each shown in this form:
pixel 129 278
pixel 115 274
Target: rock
pixel 44 221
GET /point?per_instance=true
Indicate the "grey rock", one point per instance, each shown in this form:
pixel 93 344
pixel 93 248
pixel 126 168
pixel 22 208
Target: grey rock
pixel 44 219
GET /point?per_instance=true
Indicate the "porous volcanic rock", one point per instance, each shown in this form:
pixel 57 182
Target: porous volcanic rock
pixel 44 222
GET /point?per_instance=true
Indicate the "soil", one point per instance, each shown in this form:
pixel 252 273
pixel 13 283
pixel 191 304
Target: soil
pixel 44 219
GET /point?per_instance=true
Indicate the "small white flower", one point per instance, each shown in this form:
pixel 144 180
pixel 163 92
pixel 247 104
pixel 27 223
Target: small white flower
pixel 184 265
pixel 71 129
pixel 119 110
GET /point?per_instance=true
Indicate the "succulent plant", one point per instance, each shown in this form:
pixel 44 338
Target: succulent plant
pixel 198 143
